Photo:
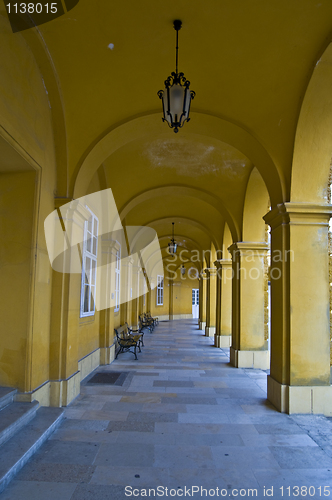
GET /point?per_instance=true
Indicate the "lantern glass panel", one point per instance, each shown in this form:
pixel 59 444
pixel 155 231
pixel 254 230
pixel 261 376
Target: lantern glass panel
pixel 176 100
pixel 187 104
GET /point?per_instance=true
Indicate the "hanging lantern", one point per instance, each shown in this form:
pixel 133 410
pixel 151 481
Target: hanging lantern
pixel 172 245
pixel 177 95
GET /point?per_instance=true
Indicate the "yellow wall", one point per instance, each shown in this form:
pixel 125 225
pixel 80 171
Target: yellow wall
pixel 17 199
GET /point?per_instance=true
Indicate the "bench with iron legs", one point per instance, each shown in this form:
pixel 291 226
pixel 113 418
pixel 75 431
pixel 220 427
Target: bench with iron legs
pixel 155 320
pixel 137 334
pixel 126 341
pixel 146 323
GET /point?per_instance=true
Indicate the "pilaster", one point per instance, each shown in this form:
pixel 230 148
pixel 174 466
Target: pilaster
pixel 211 292
pixel 249 347
pixel 223 335
pixel 299 380
pixel 202 301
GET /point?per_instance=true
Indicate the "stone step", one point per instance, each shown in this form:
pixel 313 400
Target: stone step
pixel 15 453
pixel 6 396
pixel 15 416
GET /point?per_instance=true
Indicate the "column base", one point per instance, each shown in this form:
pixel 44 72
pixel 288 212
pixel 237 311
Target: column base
pixel 64 392
pixel 210 331
pixel 222 340
pixel 107 355
pixel 309 400
pixel 250 359
pixel 202 325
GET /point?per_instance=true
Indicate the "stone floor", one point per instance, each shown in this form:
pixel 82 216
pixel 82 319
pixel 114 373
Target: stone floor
pixel 183 418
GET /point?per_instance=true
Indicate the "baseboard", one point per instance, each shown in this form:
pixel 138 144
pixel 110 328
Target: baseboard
pixel 250 359
pixel 222 340
pixel 307 400
pixel 210 331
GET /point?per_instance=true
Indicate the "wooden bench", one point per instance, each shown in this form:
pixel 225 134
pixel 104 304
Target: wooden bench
pixel 146 323
pixel 137 334
pixel 127 341
pixel 155 320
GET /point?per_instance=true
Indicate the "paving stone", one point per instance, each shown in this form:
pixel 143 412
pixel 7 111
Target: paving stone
pixel 132 426
pixel 95 425
pixel 152 417
pixel 99 492
pixel 173 383
pixel 125 454
pixel 183 417
pixel 65 452
pixel 35 490
pixel 177 456
pixel 293 457
pixel 56 473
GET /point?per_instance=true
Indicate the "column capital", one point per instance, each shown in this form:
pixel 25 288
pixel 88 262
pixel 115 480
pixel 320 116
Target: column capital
pixel 299 213
pixel 210 271
pixel 222 263
pixel 258 248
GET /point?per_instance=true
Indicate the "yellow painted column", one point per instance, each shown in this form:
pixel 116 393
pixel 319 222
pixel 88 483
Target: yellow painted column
pixel 107 286
pixel 142 291
pixel 299 380
pixel 171 298
pixel 211 293
pixel 66 288
pixel 126 290
pixel 218 304
pixel 223 335
pixel 202 301
pixel 134 292
pixel 249 347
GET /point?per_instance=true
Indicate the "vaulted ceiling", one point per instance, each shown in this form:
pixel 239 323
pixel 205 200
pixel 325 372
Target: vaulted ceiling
pixel 249 63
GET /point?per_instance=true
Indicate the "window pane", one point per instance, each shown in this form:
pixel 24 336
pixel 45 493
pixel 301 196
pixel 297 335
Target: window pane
pixel 90 224
pixel 93 274
pixel 88 243
pixel 86 299
pixel 94 250
pixel 95 227
pixel 87 270
pixel 92 300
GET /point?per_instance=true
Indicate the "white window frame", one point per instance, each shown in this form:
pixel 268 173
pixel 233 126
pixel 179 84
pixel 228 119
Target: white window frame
pixel 89 265
pixel 117 279
pixel 160 290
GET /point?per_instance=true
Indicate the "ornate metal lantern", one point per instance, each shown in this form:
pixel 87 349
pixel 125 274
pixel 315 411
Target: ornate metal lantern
pixel 172 245
pixel 183 270
pixel 177 95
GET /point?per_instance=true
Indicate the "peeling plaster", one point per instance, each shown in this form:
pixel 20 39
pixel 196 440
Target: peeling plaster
pixel 193 159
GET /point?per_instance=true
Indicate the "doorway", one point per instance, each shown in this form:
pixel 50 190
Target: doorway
pixel 195 303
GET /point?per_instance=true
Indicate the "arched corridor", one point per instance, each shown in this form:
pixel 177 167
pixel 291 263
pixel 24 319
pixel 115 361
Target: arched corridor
pixel 179 417
pixel 109 218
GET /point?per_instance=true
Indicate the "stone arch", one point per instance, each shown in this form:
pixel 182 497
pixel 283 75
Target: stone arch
pixel 313 140
pixel 255 206
pixel 169 220
pixel 203 124
pixel 179 190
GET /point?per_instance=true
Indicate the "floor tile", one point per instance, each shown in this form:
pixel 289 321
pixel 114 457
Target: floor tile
pixel 184 417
